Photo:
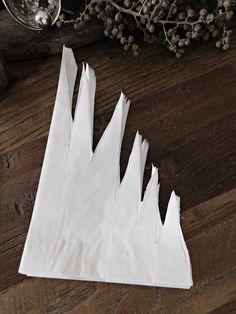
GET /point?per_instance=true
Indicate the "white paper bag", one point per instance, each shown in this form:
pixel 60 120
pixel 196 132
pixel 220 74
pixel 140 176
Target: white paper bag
pixel 88 225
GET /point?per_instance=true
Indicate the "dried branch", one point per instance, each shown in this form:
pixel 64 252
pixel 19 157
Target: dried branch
pixel 180 22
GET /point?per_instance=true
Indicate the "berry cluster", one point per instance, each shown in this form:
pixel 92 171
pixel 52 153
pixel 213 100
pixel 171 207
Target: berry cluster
pixel 177 22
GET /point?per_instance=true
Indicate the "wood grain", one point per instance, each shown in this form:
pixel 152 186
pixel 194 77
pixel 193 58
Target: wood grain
pixel 186 110
pixel 19 43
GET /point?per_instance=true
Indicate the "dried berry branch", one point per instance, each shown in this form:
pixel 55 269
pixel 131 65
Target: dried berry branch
pixel 177 22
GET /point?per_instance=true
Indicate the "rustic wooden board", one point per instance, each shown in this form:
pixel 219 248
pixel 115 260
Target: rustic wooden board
pixel 186 110
pixel 20 43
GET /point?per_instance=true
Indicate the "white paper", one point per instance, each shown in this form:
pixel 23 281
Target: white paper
pixel 88 225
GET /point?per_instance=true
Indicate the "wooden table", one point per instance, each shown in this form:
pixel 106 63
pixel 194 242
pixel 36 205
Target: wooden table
pixel 187 111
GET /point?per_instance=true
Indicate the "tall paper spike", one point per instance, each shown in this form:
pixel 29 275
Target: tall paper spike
pixel 83 120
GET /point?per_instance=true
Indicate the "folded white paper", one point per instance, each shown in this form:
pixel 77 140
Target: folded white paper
pixel 88 225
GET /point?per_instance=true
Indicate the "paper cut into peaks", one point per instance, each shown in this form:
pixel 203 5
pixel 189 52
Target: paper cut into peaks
pixel 87 224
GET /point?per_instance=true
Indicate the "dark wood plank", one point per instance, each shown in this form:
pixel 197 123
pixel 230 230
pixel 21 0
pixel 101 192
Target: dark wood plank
pixel 19 43
pixel 184 119
pixel 186 110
